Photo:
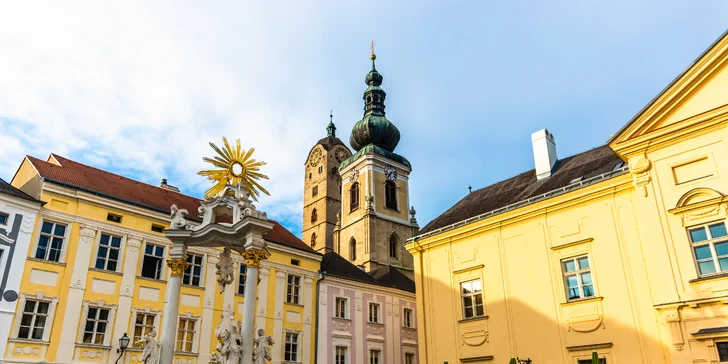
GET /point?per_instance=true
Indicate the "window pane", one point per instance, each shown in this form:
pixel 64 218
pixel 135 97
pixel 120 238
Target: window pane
pixel 573 293
pixel 47 227
pixel 468 301
pixel 586 278
pixel 478 299
pixel 723 264
pixel 706 267
pixel 703 252
pixel 476 286
pixel 38 333
pixel 104 240
pixel 103 315
pixel 42 246
pixel 43 307
pixel 148 249
pixel 24 332
pixel 467 287
pixel 698 234
pixel 571 281
pixel 26 320
pixel 159 251
pixel 87 337
pixel 114 254
pixel 588 291
pixel 721 249
pixel 116 241
pixel 717 230
pixel 468 312
pixel 479 310
pixel 60 230
pixel 569 266
pixel 583 262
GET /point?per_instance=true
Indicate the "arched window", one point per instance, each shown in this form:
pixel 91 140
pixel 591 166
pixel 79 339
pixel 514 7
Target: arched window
pixel 313 239
pixel 314 215
pixel 352 249
pixel 393 245
pixel 390 195
pixel 354 196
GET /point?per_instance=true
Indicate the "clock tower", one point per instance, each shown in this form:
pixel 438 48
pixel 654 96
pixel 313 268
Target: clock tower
pixel 322 190
pixel 375 219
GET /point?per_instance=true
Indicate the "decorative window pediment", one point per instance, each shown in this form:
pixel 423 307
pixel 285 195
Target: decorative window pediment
pixel 701 204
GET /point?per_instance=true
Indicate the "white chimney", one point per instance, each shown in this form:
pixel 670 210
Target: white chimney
pixel 544 152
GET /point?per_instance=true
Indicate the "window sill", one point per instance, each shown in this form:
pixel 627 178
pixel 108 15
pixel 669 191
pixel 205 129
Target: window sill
pixel 34 259
pixel 476 318
pixel 375 323
pixel 151 279
pixel 89 345
pixel 188 353
pixel 106 271
pixel 709 277
pixel 28 341
pixel 354 210
pixel 193 286
pixel 414 328
pixel 391 209
pixel 582 300
pixel 294 304
pixel 341 318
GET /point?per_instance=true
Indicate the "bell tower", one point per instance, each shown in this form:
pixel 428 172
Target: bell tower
pixel 322 190
pixel 375 212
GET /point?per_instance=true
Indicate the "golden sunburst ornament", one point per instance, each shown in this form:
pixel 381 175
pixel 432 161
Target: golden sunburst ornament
pixel 234 165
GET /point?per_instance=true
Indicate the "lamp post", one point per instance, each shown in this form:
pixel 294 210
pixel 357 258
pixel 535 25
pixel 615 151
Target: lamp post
pixel 123 344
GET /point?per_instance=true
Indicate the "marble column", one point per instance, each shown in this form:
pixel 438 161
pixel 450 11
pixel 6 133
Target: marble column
pixel 207 309
pixel 177 263
pixel 126 292
pixel 74 301
pixel 262 298
pixel 253 257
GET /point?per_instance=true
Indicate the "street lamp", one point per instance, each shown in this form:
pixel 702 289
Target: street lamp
pixel 123 344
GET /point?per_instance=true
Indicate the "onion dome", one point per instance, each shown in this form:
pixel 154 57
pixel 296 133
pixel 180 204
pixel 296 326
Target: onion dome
pixel 374 128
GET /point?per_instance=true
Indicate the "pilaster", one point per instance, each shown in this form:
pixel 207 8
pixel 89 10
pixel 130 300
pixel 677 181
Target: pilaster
pixel 262 297
pixel 278 312
pixel 126 291
pixel 359 324
pixel 308 301
pixel 72 311
pixel 207 309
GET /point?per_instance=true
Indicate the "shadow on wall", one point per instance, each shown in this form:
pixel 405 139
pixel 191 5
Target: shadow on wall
pixel 544 331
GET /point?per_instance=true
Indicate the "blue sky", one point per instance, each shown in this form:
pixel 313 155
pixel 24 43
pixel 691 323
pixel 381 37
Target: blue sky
pixel 139 88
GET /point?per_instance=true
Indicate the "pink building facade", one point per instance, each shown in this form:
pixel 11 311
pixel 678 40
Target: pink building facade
pixel 365 317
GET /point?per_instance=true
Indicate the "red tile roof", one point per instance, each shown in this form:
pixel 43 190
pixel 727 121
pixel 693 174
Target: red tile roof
pixel 93 180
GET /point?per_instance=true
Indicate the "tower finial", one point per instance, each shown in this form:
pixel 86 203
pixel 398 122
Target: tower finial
pixel 331 129
pixel 373 56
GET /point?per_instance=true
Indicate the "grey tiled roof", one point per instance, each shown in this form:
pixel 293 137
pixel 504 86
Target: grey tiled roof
pixel 7 189
pixel 335 265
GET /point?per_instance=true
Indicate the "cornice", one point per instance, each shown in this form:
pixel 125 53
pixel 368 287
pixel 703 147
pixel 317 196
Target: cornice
pixel 373 288
pixel 369 159
pixel 103 226
pixel 292 251
pixel 609 187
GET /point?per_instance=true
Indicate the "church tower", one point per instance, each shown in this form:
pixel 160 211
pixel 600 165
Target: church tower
pixel 375 221
pixel 322 190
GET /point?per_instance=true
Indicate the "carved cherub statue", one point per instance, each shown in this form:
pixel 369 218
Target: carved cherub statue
pixel 225 270
pixel 150 355
pixel 178 218
pixel 261 349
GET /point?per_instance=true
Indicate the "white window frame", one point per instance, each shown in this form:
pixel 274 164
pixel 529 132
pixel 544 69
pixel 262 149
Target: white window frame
pixel 710 242
pixel 345 301
pixel 407 320
pixel 413 355
pixel 375 354
pixel 378 313
pixel 472 295
pixel 97 246
pixel 162 273
pixel 155 326
pixel 64 244
pixel 49 318
pixel 578 273
pixel 336 354
pixel 109 325
pixel 194 321
pixel 7 218
pixel 297 343
pixel 293 291
pixel 191 266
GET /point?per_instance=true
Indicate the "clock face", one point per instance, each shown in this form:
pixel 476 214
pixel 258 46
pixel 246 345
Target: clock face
pixel 341 154
pixel 315 157
pixel 390 172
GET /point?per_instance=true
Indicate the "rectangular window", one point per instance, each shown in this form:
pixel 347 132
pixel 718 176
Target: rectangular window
pixel 409 358
pixel 107 257
pixel 710 248
pixel 50 242
pixel 243 274
pixel 293 289
pixel 578 278
pixel 407 317
pixel 157 228
pixel 341 355
pixel 472 295
pixel 33 320
pixel 152 263
pixel 314 191
pixel 374 356
pixel 341 307
pixel 185 335
pixel 722 350
pixel 374 312
pixel 143 325
pixel 194 270
pixel 113 218
pixel 96 321
pixel 3 218
pixel 290 352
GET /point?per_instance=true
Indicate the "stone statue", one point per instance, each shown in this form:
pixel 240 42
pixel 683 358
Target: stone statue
pixel 369 199
pixel 338 219
pixel 225 269
pixel 261 349
pixel 178 218
pixel 228 336
pixel 150 355
pixel 214 358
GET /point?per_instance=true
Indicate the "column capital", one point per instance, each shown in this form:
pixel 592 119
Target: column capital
pixel 177 265
pixel 253 257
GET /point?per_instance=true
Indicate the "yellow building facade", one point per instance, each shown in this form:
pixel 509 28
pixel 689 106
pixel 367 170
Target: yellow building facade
pixel 96 269
pixel 621 250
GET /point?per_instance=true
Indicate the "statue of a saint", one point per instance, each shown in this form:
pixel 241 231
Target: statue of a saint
pixel 150 355
pixel 178 218
pixel 225 270
pixel 261 351
pixel 232 348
